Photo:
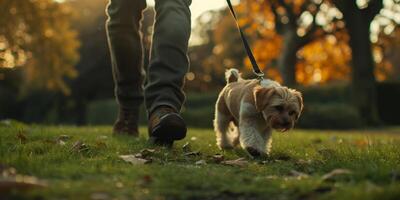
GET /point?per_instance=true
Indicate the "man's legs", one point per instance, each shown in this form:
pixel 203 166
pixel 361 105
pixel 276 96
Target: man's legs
pixel 168 65
pixel 168 60
pixel 124 38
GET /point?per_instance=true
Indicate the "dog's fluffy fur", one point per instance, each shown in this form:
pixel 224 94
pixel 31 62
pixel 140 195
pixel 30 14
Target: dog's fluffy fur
pixel 250 109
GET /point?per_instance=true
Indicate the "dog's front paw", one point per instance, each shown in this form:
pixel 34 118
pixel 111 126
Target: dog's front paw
pixel 255 153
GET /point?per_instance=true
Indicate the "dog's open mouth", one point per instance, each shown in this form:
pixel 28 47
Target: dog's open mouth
pixel 281 128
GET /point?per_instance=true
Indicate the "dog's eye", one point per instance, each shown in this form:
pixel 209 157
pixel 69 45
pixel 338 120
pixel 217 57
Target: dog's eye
pixel 279 108
pixel 291 113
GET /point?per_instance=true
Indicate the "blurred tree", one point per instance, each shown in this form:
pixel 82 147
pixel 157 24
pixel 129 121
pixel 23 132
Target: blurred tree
pixel 387 55
pixel 217 47
pixel 37 36
pixel 358 16
pixel 284 27
pixel 386 39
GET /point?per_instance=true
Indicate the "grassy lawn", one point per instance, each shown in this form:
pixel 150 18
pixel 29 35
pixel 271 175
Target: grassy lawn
pixel 298 167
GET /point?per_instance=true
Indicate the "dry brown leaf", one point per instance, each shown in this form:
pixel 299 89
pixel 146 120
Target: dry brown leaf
pixel 60 142
pixel 241 162
pixel 201 162
pixel 64 138
pixel 147 152
pixel 218 158
pixel 134 160
pixel 193 153
pixel 79 146
pixel 186 147
pixel 298 174
pixel 336 172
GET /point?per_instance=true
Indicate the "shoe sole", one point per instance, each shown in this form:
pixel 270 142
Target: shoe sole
pixel 171 127
pixel 161 142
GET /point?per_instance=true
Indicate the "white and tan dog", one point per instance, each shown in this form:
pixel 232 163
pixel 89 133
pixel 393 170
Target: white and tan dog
pixel 252 108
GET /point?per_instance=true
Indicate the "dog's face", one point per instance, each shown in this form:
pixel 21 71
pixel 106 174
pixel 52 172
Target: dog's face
pixel 281 107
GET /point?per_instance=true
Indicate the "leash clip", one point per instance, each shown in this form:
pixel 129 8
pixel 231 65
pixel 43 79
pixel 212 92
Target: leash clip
pixel 260 75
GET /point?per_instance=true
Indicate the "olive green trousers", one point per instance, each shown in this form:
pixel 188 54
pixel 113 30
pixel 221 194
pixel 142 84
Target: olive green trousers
pixel 168 62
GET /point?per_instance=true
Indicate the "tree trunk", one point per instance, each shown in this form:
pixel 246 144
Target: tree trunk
pixel 287 60
pixel 363 78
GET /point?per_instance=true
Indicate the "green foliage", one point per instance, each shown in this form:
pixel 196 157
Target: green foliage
pixel 294 170
pixel 333 93
pixel 102 112
pixel 37 36
pixel 330 116
pixel 198 111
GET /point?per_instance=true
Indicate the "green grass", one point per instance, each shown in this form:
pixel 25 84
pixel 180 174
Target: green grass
pixel 372 156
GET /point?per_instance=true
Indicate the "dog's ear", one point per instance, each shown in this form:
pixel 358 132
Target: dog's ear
pixel 299 98
pixel 262 96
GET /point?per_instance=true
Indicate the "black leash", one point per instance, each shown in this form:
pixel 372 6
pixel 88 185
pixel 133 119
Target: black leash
pixel 256 69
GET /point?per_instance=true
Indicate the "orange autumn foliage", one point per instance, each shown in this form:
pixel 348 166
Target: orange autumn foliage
pixel 326 58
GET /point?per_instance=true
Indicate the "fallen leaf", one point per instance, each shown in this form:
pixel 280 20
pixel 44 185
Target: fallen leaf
pixel 298 174
pixel 271 177
pixel 79 146
pixel 264 162
pixel 241 162
pixel 302 162
pixel 201 162
pixel 186 147
pixel 60 142
pixel 218 158
pixel 147 152
pixel 193 153
pixel 139 155
pixel 334 173
pixel 134 160
pixel 64 138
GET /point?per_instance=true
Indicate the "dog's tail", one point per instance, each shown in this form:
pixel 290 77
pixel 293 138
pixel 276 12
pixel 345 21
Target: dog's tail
pixel 232 75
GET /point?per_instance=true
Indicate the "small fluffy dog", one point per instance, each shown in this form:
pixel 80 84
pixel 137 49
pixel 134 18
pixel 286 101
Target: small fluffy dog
pixel 251 109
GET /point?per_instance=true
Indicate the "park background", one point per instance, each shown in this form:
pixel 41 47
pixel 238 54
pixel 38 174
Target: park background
pixel 56 87
pixel 343 55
